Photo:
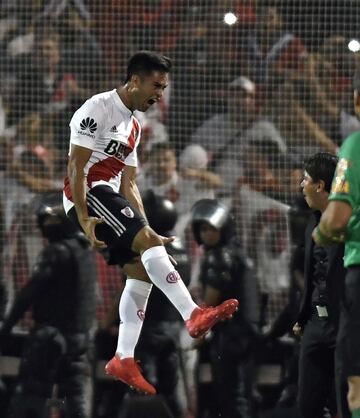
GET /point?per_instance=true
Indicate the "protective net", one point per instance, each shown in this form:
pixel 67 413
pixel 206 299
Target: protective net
pixel 256 87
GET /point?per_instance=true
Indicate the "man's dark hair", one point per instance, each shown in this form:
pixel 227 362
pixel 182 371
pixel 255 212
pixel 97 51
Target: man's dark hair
pixel 263 5
pixel 321 166
pixel 356 80
pixel 161 146
pixel 145 62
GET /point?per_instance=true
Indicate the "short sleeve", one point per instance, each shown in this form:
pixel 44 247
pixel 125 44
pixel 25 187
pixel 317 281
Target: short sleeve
pixel 132 159
pixel 87 123
pixel 346 185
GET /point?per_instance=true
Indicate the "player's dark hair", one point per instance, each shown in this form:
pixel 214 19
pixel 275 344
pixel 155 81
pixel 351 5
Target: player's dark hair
pixel 145 62
pixel 356 80
pixel 321 166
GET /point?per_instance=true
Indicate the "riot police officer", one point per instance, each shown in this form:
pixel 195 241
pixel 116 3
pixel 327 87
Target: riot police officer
pixel 61 293
pixel 158 347
pixel 224 273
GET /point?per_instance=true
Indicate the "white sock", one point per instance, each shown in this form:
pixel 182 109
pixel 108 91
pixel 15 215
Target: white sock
pixel 164 276
pixel 132 309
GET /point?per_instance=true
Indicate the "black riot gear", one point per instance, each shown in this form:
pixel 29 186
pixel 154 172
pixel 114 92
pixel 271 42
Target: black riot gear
pixel 158 348
pixel 51 218
pixel 215 214
pixel 62 294
pixel 160 212
pixel 228 274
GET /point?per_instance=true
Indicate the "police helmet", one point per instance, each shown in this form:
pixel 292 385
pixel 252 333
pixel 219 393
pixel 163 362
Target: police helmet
pixel 160 212
pixel 215 214
pixel 51 217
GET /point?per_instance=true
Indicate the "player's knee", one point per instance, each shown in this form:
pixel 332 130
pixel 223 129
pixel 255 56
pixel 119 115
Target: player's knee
pixel 145 239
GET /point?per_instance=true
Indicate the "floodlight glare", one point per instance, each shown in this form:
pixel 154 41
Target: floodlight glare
pixel 230 18
pixel 354 45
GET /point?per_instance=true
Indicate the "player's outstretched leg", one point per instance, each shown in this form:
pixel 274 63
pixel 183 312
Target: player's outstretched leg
pixel 166 278
pixel 203 319
pixel 132 309
pixel 129 372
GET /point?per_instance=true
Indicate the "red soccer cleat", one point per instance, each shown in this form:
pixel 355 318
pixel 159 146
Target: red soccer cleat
pixel 203 319
pixel 128 371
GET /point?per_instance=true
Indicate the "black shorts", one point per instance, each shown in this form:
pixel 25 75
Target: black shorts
pixel 348 339
pixel 121 223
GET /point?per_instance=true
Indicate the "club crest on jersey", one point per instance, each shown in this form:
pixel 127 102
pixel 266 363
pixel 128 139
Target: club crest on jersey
pixel 173 277
pixel 141 314
pixel 127 212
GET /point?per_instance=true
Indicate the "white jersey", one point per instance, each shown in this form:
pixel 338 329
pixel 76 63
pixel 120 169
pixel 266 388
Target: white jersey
pixel 107 127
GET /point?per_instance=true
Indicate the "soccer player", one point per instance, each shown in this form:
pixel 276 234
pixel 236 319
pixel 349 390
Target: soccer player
pixel 101 194
pixel 341 222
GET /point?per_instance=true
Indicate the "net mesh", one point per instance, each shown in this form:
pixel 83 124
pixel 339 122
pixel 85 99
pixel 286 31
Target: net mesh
pixel 256 87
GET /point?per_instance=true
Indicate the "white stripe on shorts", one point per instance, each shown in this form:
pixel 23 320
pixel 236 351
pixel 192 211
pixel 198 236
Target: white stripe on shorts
pixel 109 218
pixel 106 210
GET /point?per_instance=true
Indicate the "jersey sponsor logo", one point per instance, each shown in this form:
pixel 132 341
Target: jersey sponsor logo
pixel 88 127
pixel 173 277
pixel 114 129
pixel 340 186
pixel 117 149
pixel 88 124
pixel 141 314
pixel 127 212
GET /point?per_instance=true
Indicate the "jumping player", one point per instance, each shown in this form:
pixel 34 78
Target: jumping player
pixel 101 195
pixel 341 222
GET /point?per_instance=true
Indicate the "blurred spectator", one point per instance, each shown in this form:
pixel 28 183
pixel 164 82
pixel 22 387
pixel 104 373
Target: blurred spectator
pixel 26 176
pixel 56 351
pixel 160 174
pixel 122 27
pixel 262 225
pixel 300 132
pixel 82 53
pixel 324 87
pixel 196 181
pixel 217 131
pixel 225 135
pixel 31 171
pixel 45 87
pixel 271 49
pixel 34 133
pixel 225 272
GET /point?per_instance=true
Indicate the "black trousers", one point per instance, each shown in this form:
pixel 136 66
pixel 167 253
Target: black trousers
pixel 51 358
pixel 158 352
pixel 317 368
pixel 232 378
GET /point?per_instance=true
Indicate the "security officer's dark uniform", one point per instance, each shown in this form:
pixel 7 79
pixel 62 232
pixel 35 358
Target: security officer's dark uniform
pixel 61 292
pixel 158 347
pixel 319 315
pixel 224 268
